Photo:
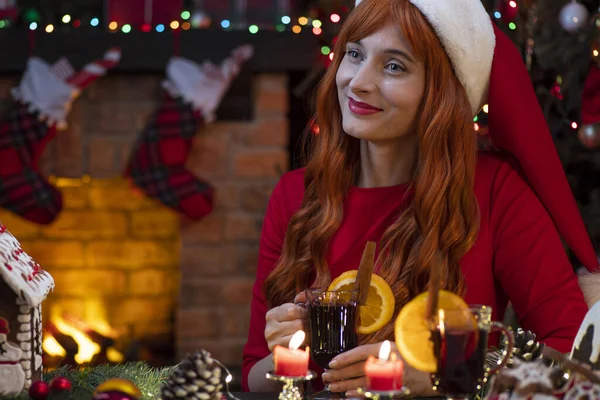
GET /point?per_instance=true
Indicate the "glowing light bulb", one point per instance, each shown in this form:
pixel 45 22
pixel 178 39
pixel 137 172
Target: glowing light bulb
pixel 66 18
pixel 225 24
pixel 303 21
pixel 33 26
pixel 160 28
pixel 296 29
pixel 49 28
pixel 335 18
pixel 317 31
pixel 486 108
pixel 574 125
pixel 512 3
pixel 113 26
pixel 595 53
pixel 94 22
pixel 186 15
pixel 331 56
pixel 174 25
pixel 317 24
pixel 126 28
pixel 285 19
pixel 325 50
pixel 253 28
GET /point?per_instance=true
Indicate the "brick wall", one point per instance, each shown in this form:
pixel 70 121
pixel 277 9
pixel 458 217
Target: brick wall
pixel 155 272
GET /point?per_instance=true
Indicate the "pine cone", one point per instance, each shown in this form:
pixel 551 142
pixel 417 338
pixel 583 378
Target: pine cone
pixel 197 377
pixel 526 347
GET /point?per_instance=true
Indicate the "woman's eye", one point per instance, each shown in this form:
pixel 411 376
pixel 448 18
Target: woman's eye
pixel 353 53
pixel 396 67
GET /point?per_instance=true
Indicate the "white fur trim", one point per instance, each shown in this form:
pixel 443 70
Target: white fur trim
pixel 590 286
pixel 44 92
pixel 204 85
pixel 467 34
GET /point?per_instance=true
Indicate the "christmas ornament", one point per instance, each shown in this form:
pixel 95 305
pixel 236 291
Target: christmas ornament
pixel 117 389
pixel 197 376
pixel 41 104
pixel 555 90
pixel 39 390
pixel 60 384
pixel 589 135
pixel 573 16
pixel 158 162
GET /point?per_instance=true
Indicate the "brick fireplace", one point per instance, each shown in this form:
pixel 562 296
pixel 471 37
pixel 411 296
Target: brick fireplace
pixel 171 285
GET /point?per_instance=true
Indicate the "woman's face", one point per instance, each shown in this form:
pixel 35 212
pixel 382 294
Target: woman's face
pixel 380 85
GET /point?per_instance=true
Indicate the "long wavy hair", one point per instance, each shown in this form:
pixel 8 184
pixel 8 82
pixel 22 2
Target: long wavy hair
pixel 441 222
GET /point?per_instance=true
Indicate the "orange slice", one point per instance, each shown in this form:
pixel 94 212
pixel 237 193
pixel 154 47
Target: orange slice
pixel 413 331
pixel 379 309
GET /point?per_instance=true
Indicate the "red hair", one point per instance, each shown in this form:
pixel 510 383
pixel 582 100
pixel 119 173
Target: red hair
pixel 442 221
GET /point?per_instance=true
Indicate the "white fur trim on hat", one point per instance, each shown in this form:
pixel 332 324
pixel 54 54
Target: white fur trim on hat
pixel 44 92
pixel 467 34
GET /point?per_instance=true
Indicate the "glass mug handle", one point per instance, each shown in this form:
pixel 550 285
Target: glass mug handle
pixel 509 345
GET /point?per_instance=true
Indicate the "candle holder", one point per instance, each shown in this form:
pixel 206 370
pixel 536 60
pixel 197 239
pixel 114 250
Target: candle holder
pixel 387 394
pixel 291 390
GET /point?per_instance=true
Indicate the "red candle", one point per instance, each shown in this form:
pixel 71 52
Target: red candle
pixel 383 374
pixel 291 361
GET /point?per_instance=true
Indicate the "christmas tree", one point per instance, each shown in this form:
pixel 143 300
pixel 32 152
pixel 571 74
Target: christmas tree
pixel 559 41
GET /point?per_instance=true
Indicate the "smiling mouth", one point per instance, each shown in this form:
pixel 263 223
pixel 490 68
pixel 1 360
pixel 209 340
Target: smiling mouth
pixel 360 108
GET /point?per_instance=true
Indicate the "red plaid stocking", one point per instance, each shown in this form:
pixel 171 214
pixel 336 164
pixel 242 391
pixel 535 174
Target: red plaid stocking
pixel 40 107
pixel 157 164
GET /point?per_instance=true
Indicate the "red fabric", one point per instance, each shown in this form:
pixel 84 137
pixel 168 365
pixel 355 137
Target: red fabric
pixel 518 255
pixel 133 12
pixel 517 125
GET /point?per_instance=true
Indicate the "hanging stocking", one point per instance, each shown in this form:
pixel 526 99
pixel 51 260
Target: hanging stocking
pixel 41 103
pixel 157 164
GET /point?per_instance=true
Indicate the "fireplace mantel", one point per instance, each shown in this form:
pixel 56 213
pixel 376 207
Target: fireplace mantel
pixel 149 52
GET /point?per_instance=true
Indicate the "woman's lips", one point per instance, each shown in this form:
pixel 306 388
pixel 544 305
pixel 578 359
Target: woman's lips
pixel 360 108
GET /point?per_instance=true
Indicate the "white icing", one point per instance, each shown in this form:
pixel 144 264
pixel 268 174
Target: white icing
pixel 26 346
pixel 21 301
pixel 38 362
pixel 25 327
pixel 27 381
pixel 23 318
pixel 591 318
pixel 12 379
pixel 21 337
pixel 26 364
pixel 24 309
pixel 21 273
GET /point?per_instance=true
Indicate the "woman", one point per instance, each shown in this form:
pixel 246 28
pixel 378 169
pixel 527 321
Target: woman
pixel 396 163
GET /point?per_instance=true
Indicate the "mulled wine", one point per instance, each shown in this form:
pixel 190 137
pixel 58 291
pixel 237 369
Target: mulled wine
pixel 332 330
pixel 461 360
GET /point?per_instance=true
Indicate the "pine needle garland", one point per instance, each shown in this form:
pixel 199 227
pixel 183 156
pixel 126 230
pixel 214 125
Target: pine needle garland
pixel 85 381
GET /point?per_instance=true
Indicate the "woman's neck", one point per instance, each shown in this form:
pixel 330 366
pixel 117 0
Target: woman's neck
pixel 386 163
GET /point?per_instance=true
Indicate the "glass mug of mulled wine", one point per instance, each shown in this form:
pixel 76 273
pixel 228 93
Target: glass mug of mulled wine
pixel 460 345
pixel 332 326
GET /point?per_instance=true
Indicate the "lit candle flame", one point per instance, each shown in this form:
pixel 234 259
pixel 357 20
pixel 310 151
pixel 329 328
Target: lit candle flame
pixel 384 350
pixel 442 316
pixel 297 340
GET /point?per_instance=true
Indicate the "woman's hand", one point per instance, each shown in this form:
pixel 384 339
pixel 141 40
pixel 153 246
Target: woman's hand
pixel 283 321
pixel 347 372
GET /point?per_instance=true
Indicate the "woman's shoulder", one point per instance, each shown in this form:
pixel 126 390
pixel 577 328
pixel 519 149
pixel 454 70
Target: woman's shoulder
pixel 495 168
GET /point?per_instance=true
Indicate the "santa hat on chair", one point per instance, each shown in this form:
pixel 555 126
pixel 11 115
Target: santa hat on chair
pixel 492 71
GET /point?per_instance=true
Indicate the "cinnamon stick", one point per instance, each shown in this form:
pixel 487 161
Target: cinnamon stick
pixel 569 364
pixel 365 269
pixel 433 286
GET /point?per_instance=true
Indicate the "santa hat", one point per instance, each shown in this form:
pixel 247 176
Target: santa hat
pixel 492 71
pixel 4 327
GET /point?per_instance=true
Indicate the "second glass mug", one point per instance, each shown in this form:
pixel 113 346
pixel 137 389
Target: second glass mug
pixel 460 348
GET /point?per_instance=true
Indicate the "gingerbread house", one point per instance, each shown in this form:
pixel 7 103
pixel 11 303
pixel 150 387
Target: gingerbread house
pixel 23 288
